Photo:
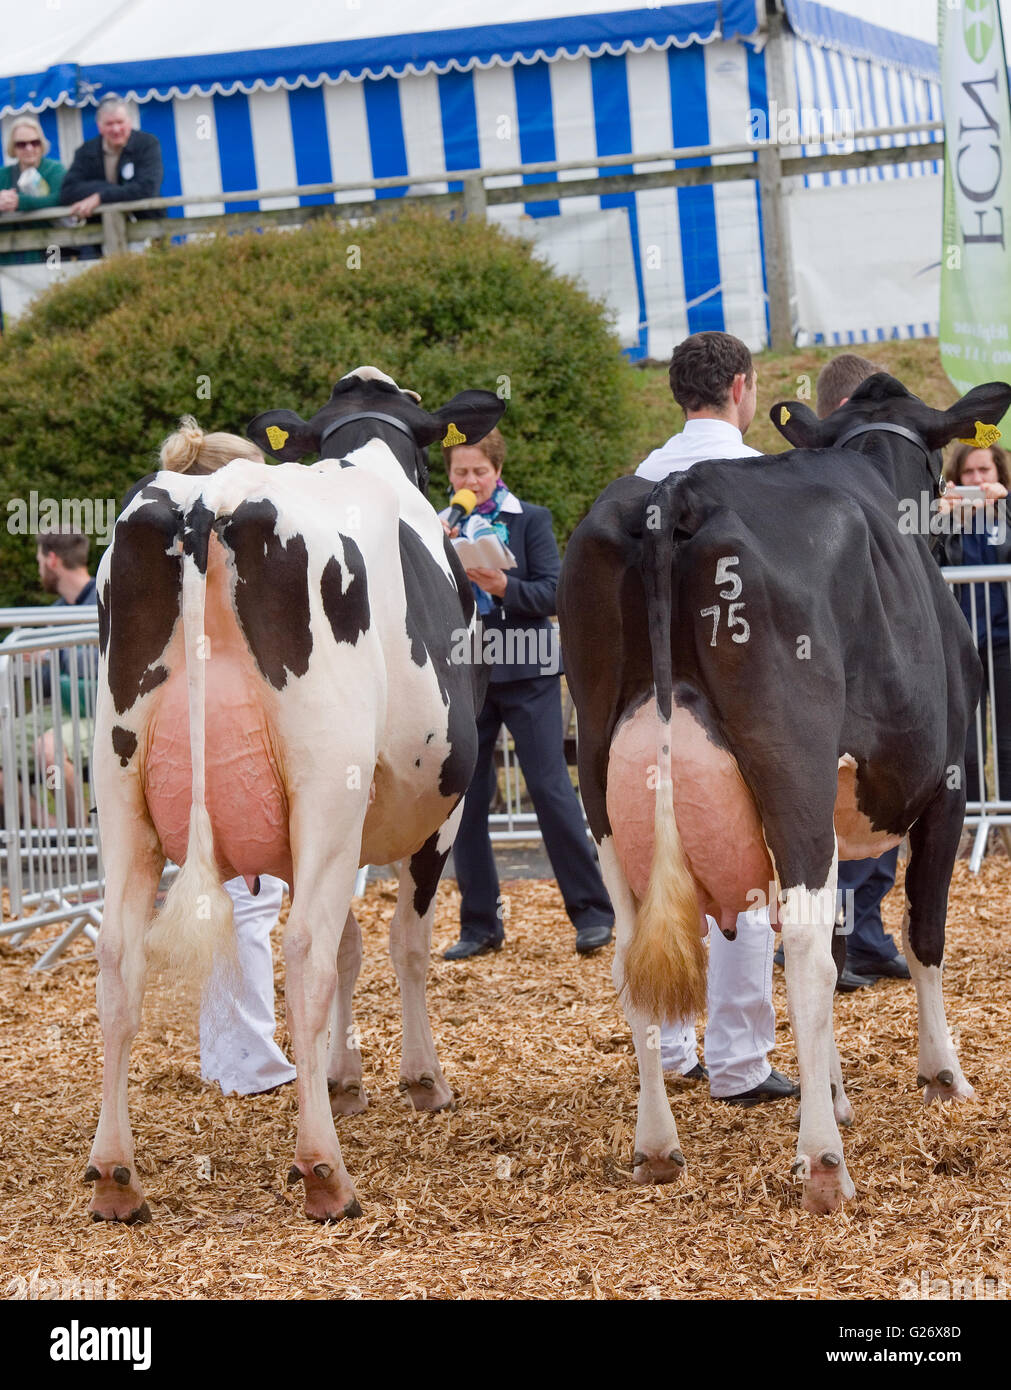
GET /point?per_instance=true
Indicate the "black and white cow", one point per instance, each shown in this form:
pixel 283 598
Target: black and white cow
pixel 770 673
pixel 277 695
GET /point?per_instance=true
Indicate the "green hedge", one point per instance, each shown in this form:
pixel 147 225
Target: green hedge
pixel 95 376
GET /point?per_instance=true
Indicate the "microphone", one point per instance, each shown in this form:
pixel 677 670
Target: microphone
pixel 462 505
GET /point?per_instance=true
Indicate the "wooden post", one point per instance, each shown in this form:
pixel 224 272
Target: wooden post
pixel 475 202
pixel 113 232
pixel 775 220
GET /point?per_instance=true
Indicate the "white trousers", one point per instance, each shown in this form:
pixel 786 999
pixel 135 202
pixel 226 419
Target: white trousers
pixel 741 1026
pixel 237 1021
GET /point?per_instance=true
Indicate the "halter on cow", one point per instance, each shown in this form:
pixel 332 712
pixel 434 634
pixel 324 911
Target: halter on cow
pixel 303 717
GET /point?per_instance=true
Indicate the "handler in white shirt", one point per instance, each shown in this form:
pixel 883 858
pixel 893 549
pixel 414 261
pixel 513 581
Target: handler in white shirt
pixel 715 382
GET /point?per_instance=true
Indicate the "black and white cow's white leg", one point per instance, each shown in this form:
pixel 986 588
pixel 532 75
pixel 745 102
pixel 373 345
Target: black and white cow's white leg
pixel 933 845
pixel 344 1060
pixel 312 938
pixel 130 889
pixel 807 916
pixel 410 948
pixel 658 1157
pixel 840 1102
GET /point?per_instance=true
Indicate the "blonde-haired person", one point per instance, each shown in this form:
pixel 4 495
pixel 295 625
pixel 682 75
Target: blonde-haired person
pixel 237 1045
pixel 33 181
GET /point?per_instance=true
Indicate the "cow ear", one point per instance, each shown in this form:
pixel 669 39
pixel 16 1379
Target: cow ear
pixel 798 424
pixel 982 406
pixel 283 434
pixel 465 419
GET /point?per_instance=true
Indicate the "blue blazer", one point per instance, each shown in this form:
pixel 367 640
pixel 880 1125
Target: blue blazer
pixel 528 640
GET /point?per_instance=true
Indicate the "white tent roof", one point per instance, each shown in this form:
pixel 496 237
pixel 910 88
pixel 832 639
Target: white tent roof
pixel 145 48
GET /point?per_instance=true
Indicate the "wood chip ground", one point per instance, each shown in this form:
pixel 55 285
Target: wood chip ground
pixel 524 1191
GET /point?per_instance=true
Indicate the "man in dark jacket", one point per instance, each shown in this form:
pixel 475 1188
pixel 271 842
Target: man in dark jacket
pixel 120 165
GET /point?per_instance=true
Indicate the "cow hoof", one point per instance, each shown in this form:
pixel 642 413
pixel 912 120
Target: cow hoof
pixel 347 1098
pixel 117 1196
pixel 658 1168
pixel 946 1086
pixel 826 1182
pixel 329 1193
pixel 427 1092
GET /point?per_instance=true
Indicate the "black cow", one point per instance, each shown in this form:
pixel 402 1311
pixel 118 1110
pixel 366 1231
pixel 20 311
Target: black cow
pixel 762 647
pixel 303 717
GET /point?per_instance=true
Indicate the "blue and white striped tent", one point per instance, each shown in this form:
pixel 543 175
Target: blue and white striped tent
pixel 248 94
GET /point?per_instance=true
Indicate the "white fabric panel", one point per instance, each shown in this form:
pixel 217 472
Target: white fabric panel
pixel 422 119
pixel 595 248
pixel 347 131
pixel 68 123
pixel 197 143
pixel 107 31
pixel 20 284
pixel 840 288
pixel 659 229
pixel 498 131
pixel 273 150
pixel 575 132
pixel 736 204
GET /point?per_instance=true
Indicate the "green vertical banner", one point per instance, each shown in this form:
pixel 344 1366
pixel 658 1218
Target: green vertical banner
pixel 976 254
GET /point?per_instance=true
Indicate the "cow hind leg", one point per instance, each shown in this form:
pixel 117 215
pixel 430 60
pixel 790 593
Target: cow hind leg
pixel 933 844
pixel 344 1061
pixel 808 920
pixel 657 1157
pixel 312 938
pixel 130 891
pixel 421 1076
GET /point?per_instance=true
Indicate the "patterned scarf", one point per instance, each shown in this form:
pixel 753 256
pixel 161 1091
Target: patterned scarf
pixel 490 510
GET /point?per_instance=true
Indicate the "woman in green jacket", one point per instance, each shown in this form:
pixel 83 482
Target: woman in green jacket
pixel 32 181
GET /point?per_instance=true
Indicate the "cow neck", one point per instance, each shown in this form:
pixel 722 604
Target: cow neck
pixel 415 470
pixel 904 472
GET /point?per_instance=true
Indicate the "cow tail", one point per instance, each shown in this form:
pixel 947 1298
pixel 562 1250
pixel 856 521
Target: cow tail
pixel 665 965
pixel 194 929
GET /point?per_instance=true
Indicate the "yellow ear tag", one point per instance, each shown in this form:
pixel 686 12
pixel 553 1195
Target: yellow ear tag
pixel 784 415
pixel 984 437
pixel 453 437
pixel 276 436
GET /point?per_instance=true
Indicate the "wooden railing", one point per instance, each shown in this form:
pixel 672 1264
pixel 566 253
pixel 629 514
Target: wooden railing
pixel 767 162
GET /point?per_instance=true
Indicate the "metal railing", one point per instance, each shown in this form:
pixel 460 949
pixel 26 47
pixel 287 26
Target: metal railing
pixel 984 812
pixel 50 860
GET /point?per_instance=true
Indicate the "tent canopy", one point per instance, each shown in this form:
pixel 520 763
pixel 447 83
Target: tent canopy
pixel 146 48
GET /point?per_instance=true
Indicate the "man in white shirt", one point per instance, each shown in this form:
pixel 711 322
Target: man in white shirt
pixel 715 382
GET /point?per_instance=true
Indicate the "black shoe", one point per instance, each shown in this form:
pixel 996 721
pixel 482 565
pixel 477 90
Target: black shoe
pixel 776 1086
pixel 778 958
pixel 894 969
pixel 590 939
pixel 849 981
pixel 465 948
pixel 697 1073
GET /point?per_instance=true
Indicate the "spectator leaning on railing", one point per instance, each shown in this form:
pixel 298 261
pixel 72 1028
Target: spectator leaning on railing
pixel 982 539
pixel 33 181
pixel 120 165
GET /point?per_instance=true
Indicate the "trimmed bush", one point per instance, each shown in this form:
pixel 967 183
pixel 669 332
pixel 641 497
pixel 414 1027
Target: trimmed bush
pixel 95 376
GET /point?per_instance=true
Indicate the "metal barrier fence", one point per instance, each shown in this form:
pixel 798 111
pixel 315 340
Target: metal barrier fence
pixel 50 857
pixel 50 861
pixel 984 812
